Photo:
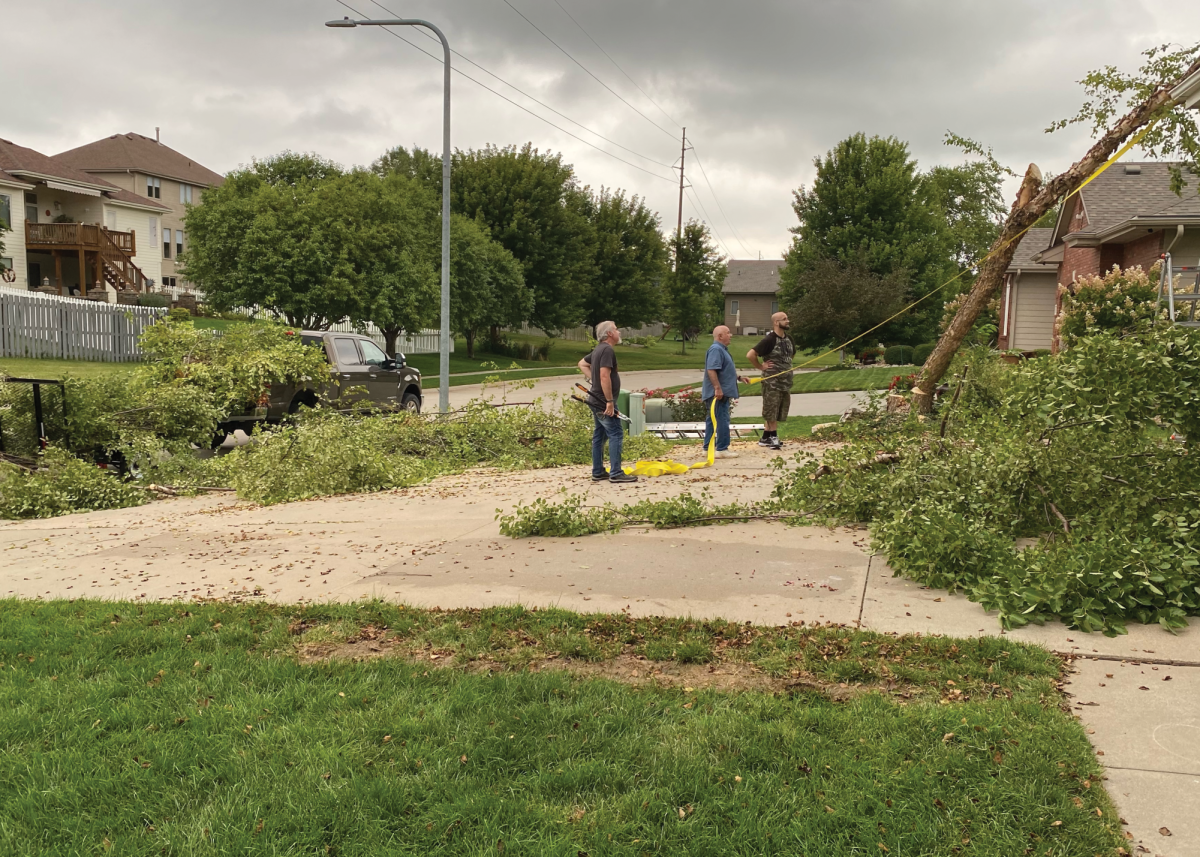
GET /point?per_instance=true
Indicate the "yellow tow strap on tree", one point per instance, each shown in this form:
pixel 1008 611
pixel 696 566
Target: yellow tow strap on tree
pixel 662 468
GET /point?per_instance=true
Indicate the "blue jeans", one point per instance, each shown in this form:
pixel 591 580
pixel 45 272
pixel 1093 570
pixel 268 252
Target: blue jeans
pixel 606 427
pixel 722 424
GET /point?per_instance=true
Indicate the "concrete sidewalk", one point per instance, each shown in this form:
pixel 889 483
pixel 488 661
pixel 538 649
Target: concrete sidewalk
pixel 439 545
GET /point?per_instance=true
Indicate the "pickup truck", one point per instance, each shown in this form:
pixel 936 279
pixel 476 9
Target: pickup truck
pixel 355 362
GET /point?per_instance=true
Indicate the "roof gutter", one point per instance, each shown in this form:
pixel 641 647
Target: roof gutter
pixel 1187 92
pixel 42 177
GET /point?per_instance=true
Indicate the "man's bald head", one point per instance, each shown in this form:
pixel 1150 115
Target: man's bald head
pixel 780 323
pixel 722 334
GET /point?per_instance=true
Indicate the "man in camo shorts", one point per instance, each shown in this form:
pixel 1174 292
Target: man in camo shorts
pixel 776 352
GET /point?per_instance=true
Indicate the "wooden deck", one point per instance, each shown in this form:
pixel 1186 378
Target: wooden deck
pixel 74 236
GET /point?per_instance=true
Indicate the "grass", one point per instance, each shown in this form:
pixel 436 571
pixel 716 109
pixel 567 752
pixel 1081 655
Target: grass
pixel 34 367
pixel 201 729
pixel 873 378
pixel 795 427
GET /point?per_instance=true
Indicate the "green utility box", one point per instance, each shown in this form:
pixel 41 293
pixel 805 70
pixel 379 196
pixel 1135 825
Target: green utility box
pixel 623 404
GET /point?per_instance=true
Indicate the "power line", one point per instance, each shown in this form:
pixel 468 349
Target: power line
pixel 698 203
pixel 713 191
pixel 527 95
pixel 515 104
pixel 670 134
pixel 614 62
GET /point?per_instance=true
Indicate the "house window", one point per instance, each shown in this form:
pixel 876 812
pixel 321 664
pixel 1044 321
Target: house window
pixel 166 243
pixel 733 307
pixel 185 194
pixel 5 211
pixel 6 263
pixel 153 187
pixel 31 209
pixel 169 282
pixel 178 242
pixel 774 307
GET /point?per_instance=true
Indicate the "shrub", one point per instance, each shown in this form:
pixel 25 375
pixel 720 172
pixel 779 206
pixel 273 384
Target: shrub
pixel 870 355
pixel 179 313
pixel 902 383
pixel 153 300
pixel 921 352
pixel 898 355
pixel 1118 301
pixel 519 350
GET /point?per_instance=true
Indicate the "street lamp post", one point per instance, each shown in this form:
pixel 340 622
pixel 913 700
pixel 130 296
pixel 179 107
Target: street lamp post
pixel 444 338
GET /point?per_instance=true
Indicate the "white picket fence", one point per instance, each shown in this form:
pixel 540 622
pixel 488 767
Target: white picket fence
pixel 424 342
pixel 37 325
pixel 583 333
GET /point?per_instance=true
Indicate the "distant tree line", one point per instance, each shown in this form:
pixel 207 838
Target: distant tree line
pixel 316 244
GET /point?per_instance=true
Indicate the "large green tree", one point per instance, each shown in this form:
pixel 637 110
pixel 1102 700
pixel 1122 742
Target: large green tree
pixel 487 287
pixel 692 295
pixel 629 260
pixel 419 164
pixel 839 301
pixel 870 208
pixel 531 203
pixel 312 244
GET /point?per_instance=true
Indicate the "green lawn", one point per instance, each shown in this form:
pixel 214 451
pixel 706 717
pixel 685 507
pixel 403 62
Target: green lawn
pixel 873 378
pixel 795 427
pixel 203 729
pixel 30 367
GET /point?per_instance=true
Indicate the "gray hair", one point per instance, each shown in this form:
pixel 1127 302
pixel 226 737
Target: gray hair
pixel 603 329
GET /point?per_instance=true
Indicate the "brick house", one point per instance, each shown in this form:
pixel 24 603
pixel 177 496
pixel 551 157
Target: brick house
pixel 1127 216
pixel 751 289
pixel 144 166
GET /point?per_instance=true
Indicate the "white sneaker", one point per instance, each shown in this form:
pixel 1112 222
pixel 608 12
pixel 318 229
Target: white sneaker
pixel 725 453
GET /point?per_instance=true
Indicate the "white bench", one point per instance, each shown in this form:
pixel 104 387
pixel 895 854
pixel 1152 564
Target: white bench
pixel 671 431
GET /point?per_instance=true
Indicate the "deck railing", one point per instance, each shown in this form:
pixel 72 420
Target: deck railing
pixel 85 235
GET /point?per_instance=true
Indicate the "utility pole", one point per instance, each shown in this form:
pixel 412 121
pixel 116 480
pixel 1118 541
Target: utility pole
pixel 679 224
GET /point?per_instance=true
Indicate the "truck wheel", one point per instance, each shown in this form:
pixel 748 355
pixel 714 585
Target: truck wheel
pixel 307 400
pixel 411 403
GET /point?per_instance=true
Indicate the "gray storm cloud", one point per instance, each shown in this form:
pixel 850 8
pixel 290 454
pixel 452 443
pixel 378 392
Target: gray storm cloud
pixel 763 87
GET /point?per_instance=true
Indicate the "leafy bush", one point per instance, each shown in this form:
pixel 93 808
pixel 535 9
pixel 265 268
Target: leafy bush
pixel 898 355
pixel 686 406
pixel 1117 301
pixel 180 314
pixel 902 383
pixel 646 341
pixel 1067 452
pixel 64 485
pixel 921 352
pixel 870 355
pixel 519 350
pixel 153 300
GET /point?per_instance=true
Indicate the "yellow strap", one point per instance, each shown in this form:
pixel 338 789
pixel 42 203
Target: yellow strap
pixel 662 468
pixel 1133 141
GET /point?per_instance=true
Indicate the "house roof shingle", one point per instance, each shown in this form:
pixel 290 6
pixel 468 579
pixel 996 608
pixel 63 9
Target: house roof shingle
pixel 1034 241
pixel 753 277
pixel 122 152
pixel 1118 194
pixel 14 158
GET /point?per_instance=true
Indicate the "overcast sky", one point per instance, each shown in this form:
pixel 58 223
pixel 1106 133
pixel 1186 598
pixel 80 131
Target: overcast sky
pixel 763 86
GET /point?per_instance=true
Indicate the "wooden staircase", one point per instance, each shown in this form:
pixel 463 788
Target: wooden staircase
pixel 117 265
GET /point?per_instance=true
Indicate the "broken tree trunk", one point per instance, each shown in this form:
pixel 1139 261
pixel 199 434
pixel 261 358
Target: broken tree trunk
pixel 1032 202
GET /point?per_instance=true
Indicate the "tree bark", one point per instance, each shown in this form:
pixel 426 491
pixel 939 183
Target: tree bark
pixel 389 340
pixel 1032 202
pixel 469 335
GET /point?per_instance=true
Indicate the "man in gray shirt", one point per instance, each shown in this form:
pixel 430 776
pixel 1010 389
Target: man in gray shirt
pixel 600 367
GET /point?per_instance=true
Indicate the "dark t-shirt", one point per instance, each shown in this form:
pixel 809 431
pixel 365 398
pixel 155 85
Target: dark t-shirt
pixel 776 352
pixel 603 356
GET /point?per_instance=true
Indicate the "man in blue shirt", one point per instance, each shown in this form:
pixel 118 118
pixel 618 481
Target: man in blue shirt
pixel 720 383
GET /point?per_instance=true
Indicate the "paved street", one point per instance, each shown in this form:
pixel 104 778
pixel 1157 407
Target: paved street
pixel 439 545
pixel 803 404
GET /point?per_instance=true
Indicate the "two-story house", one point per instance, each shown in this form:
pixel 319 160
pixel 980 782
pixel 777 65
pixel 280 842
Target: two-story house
pixel 751 293
pixel 144 166
pixel 67 230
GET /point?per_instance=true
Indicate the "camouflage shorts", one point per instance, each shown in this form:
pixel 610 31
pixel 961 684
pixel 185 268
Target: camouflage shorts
pixel 777 398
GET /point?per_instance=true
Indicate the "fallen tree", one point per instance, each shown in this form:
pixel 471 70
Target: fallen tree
pixel 1175 133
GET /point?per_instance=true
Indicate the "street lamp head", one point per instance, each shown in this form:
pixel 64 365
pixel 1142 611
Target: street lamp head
pixel 344 22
